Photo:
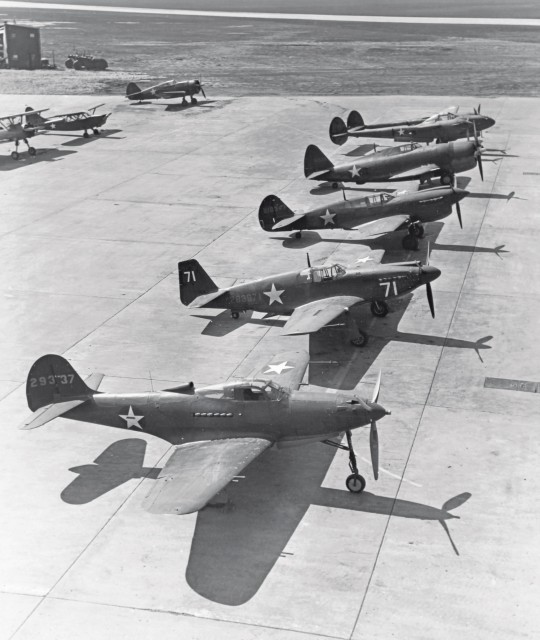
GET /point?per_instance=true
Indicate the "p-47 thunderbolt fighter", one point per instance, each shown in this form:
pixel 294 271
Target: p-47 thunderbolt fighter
pixel 442 127
pixel 217 430
pixel 379 213
pixel 406 162
pixel 314 296
pixel 166 90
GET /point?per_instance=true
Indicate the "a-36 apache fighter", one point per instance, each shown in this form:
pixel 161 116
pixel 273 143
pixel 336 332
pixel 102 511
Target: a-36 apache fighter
pixel 376 214
pixel 216 431
pixel 15 128
pixel 410 161
pixel 76 121
pixel 313 297
pixel 441 127
pixel 166 90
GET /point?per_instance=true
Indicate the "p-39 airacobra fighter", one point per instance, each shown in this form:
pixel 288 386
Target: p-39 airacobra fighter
pixel 216 431
pixel 314 296
pixel 441 127
pixel 166 90
pixel 379 213
pixel 76 121
pixel 406 162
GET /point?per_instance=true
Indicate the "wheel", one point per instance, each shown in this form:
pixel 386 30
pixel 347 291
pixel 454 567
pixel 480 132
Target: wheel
pixel 379 308
pixel 360 340
pixel 298 234
pixel 15 155
pixel 97 132
pixel 32 151
pixel 447 178
pixel 410 243
pixel 193 100
pixel 418 230
pixel 355 483
pixel 235 315
pixel 334 185
pixel 86 134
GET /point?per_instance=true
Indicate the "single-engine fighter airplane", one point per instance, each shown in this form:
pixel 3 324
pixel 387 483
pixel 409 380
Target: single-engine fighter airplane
pixel 77 121
pixel 314 297
pixel 379 213
pixel 441 127
pixel 216 430
pixel 13 130
pixel 166 90
pixel 409 161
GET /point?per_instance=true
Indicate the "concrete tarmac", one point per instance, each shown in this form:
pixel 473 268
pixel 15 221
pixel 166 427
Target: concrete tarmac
pixel 444 544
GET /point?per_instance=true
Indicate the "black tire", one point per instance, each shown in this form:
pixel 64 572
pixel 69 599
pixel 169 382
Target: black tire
pixel 334 185
pixel 355 483
pixel 298 234
pixel 360 340
pixel 15 155
pixel 235 315
pixel 379 308
pixel 410 243
pixel 97 132
pixel 32 151
pixel 419 230
pixel 193 100
pixel 86 134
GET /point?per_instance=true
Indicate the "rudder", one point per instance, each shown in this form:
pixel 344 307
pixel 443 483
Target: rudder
pixel 132 90
pixel 52 379
pixel 273 210
pixel 338 131
pixel 315 161
pixel 193 281
pixel 355 120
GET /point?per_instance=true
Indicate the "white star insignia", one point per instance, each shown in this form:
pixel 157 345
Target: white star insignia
pixel 328 217
pixel 354 171
pixel 366 259
pixel 278 368
pixel 53 126
pixel 401 131
pixel 153 92
pixel 274 295
pixel 131 419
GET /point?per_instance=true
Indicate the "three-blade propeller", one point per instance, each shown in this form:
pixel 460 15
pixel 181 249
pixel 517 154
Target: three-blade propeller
pixel 458 211
pixel 373 434
pixel 429 291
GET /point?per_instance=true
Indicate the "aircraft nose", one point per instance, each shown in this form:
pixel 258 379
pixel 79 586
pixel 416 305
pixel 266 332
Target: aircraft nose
pixel 377 411
pixel 429 273
pixel 489 121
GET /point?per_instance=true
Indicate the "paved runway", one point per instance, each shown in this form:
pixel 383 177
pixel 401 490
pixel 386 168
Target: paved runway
pixel 443 545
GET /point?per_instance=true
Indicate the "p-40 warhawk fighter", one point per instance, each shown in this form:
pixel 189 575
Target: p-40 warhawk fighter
pixel 313 297
pixel 13 130
pixel 441 127
pixel 379 213
pixel 166 90
pixel 409 161
pixel 216 430
pixel 77 121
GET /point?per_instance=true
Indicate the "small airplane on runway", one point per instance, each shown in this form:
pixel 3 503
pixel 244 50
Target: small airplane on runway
pixel 76 121
pixel 12 129
pixel 406 162
pixel 166 90
pixel 217 430
pixel 441 127
pixel 314 297
pixel 380 213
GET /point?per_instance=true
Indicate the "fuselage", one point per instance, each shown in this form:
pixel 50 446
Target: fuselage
pixel 282 293
pixel 16 131
pixel 257 408
pixel 82 123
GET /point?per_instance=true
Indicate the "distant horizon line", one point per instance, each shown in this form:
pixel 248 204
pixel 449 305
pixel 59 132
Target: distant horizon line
pixel 253 15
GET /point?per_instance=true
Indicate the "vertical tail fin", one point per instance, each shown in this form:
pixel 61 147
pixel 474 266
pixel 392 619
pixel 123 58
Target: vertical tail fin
pixel 338 131
pixel 194 281
pixel 315 162
pixel 273 210
pixel 132 90
pixel 52 380
pixel 355 120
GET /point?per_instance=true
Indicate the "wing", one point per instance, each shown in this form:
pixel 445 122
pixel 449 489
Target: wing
pixel 313 316
pixel 383 225
pixel 197 471
pixel 286 368
pixel 19 115
pixel 414 174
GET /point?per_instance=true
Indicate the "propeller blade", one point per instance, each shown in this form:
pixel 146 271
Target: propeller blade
pixel 374 448
pixel 308 260
pixel 202 91
pixel 458 211
pixel 479 160
pixel 430 299
pixel 377 388
pixel 478 110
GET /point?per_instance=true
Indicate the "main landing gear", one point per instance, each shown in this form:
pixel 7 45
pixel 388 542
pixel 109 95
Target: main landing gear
pixel 357 336
pixel 355 483
pixel 16 155
pixel 379 308
pixel 410 241
pixel 96 132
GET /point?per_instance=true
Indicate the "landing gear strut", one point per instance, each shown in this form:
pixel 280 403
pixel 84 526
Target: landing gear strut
pixel 358 338
pixel 410 241
pixel 379 308
pixel 355 483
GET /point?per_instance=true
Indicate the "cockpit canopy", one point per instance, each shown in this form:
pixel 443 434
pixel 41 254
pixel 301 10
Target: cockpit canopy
pixel 322 274
pixel 378 198
pixel 244 391
pixel 408 146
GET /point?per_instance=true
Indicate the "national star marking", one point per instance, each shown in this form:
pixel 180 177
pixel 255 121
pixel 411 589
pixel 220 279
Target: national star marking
pixel 131 419
pixel 328 217
pixel 354 172
pixel 278 368
pixel 274 295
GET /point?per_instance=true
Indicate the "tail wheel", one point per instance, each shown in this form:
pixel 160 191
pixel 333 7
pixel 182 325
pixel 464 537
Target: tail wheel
pixel 355 483
pixel 32 151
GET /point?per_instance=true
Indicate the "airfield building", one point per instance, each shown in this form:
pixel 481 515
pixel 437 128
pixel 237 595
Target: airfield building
pixel 20 47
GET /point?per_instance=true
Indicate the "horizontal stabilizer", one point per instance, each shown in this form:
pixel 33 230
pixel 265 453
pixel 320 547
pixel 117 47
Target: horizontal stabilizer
pixel 50 412
pixel 94 380
pixel 287 222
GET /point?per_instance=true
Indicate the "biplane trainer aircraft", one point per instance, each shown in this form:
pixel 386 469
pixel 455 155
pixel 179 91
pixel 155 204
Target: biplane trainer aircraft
pixel 166 90
pixel 441 127
pixel 406 162
pixel 216 431
pixel 313 297
pixel 77 121
pixel 375 214
pixel 12 129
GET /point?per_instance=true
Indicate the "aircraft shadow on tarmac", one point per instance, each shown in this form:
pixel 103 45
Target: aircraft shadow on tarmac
pixel 80 141
pixel 42 155
pixel 245 530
